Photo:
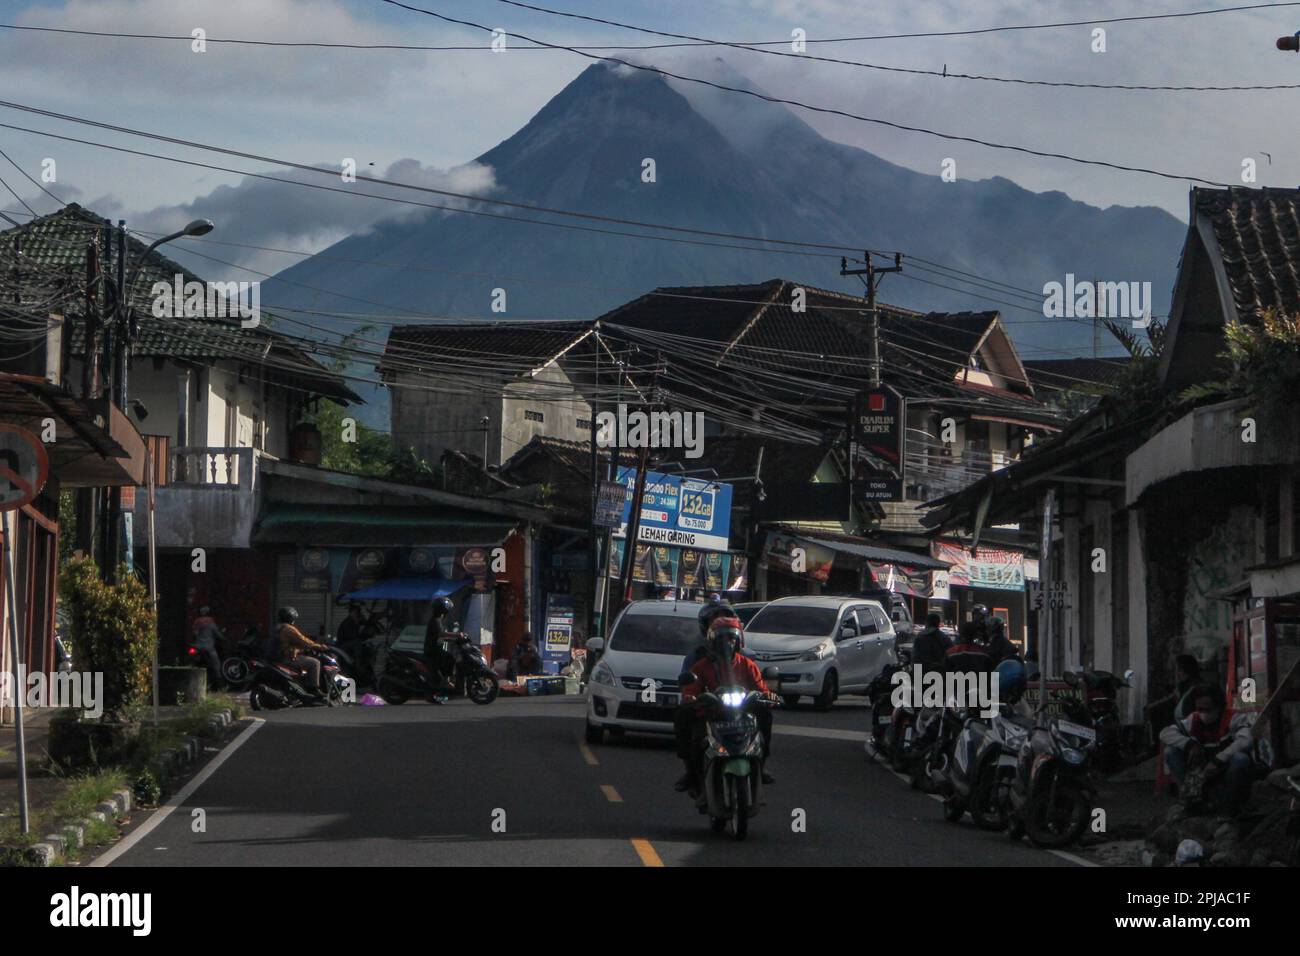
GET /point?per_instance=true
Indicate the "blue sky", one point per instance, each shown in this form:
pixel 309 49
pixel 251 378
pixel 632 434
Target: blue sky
pixel 433 112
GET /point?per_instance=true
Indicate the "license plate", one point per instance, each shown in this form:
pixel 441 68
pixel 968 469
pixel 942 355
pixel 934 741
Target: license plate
pixel 1077 730
pixel 729 726
pixel 666 700
pixel 1006 760
pixel 885 721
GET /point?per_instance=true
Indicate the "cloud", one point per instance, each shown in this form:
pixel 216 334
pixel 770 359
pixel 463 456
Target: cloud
pixel 300 218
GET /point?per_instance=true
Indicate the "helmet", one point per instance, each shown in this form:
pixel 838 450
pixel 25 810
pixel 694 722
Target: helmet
pixel 442 606
pixel 1011 680
pixel 714 598
pixel 979 612
pixel 711 611
pixel 287 615
pixel 726 637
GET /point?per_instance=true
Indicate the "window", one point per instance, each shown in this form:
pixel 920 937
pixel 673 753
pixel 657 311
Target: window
pixel 532 416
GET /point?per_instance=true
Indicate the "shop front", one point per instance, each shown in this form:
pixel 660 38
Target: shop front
pixel 993 577
pixel 797 561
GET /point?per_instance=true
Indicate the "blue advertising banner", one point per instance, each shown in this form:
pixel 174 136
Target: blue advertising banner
pixel 685 512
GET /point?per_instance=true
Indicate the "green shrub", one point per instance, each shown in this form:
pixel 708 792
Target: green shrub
pixel 113 630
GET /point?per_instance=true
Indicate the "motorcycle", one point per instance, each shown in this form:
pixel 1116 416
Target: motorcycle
pixel 406 675
pixel 1293 822
pixel 732 780
pixel 880 694
pixel 236 667
pixel 983 768
pixel 277 685
pixel 934 747
pixel 1101 690
pixel 1053 791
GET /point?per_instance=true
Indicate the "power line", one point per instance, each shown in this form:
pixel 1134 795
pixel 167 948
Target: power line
pixel 952 137
pixel 752 46
pixel 944 74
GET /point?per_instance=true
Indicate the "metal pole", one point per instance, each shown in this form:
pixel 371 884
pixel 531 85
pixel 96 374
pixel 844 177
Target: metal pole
pixel 873 318
pixel 19 677
pixel 153 579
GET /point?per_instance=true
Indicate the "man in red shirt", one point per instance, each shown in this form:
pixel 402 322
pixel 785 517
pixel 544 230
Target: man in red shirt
pixel 724 666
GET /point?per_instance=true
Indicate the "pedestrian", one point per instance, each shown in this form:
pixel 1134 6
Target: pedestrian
pixel 207 641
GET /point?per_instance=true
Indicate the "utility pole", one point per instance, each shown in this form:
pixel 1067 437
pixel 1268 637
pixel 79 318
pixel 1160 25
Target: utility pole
pixel 634 520
pixel 873 275
pixel 595 490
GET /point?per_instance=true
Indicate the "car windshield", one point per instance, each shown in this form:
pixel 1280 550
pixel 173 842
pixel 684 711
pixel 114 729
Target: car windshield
pixel 746 614
pixel 655 634
pixel 797 619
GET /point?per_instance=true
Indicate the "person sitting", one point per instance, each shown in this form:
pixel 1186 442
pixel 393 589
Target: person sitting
pixel 1200 742
pixel 931 645
pixel 527 661
pixel 725 664
pixel 293 645
pixel 1000 647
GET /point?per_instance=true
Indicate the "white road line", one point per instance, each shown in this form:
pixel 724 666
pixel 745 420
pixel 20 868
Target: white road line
pixel 163 812
pixel 1070 857
pixel 828 733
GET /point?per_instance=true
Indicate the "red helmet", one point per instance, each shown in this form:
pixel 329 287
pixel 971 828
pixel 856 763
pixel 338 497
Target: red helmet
pixel 726 637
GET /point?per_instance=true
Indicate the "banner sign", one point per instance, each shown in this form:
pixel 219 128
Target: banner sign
pixel 900 579
pixel 877 422
pixel 611 501
pixel 683 512
pixel 799 556
pixel 560 613
pixel 988 568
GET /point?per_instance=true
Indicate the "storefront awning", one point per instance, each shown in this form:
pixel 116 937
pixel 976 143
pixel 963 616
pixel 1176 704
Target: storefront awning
pixel 870 552
pixel 377 526
pixel 409 589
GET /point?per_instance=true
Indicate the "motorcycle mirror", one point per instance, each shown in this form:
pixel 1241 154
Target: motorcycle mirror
pixel 596 644
pixel 771 673
pixel 1128 674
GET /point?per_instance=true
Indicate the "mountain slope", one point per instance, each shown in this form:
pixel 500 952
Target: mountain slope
pixel 725 163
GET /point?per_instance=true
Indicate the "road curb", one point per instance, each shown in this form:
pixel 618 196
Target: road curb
pixel 53 848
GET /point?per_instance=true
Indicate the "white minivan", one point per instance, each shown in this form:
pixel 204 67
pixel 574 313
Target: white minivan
pixel 634 684
pixel 824 646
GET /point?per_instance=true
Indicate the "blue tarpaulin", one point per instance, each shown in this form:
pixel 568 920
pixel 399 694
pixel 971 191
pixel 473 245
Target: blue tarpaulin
pixel 409 589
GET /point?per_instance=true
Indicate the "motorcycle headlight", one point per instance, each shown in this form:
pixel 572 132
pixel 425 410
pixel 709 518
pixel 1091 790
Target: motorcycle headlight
pixel 1070 755
pixel 733 698
pixel 603 675
pixel 816 653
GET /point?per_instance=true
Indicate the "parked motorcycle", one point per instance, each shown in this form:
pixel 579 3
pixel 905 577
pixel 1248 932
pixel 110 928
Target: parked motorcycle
pixel 880 694
pixel 937 733
pixel 1053 791
pixel 473 676
pixel 983 768
pixel 1101 692
pixel 236 666
pixel 277 685
pixel 732 780
pixel 1293 823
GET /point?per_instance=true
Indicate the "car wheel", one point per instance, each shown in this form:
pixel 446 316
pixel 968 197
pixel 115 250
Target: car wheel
pixel 595 734
pixel 830 690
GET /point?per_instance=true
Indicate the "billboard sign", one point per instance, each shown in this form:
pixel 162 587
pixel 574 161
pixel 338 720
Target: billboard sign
pixel 678 511
pixel 877 423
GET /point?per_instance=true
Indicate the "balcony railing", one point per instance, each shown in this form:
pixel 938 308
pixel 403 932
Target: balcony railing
pixel 221 468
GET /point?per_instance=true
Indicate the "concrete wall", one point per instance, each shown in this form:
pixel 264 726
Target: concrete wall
pixel 434 421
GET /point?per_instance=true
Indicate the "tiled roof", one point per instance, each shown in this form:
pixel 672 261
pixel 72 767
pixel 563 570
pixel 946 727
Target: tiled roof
pixel 505 348
pixel 1074 373
pixel 56 245
pixel 1258 232
pixel 815 357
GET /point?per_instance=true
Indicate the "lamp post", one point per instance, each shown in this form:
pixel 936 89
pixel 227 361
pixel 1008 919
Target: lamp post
pixel 121 360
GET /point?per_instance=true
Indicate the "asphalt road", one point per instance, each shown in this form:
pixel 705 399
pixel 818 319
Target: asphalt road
pixel 418 785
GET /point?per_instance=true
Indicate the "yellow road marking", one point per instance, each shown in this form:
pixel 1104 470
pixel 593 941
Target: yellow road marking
pixel 587 755
pixel 610 793
pixel 646 852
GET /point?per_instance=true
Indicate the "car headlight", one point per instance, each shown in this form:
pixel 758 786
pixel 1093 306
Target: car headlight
pixel 816 653
pixel 603 675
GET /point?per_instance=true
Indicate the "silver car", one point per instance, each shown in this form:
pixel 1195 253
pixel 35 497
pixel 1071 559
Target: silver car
pixel 824 646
